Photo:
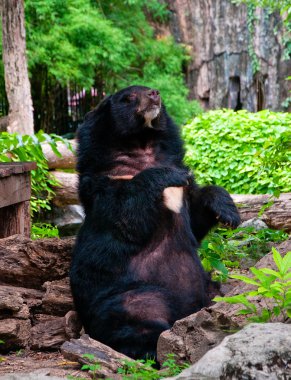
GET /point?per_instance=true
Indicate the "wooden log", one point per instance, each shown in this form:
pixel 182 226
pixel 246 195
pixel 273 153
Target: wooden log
pixel 277 216
pixel 58 299
pixel 48 333
pixel 67 193
pixel 28 263
pixel 109 359
pixel 66 161
pixel 14 333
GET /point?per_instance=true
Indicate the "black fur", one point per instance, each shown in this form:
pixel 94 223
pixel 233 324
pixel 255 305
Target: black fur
pixel 135 270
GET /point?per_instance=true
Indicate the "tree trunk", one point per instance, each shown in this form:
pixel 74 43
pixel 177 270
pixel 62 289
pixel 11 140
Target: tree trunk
pixel 15 66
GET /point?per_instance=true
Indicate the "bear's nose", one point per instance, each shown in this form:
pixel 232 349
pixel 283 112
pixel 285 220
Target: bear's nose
pixel 154 96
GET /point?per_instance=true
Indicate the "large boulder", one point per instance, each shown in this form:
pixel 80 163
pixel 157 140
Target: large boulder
pixel 257 352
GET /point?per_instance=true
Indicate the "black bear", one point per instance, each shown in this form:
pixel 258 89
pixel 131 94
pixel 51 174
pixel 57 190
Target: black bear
pixel 135 268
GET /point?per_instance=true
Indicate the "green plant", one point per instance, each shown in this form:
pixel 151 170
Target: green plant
pixel 144 369
pixel 93 366
pixel 273 288
pixel 138 369
pixel 14 147
pixel 223 249
pixel 242 151
pixel 43 230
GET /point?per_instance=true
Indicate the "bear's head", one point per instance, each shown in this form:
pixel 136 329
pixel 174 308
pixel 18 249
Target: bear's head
pixel 130 111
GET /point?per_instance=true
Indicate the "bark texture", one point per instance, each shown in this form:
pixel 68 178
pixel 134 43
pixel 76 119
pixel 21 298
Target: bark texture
pixel 15 66
pixel 237 54
pixel 67 159
pixel 36 305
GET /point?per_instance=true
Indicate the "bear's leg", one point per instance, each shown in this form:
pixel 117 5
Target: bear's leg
pixel 131 322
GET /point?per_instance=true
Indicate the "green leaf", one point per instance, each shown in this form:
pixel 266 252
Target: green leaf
pixel 277 259
pixel 245 279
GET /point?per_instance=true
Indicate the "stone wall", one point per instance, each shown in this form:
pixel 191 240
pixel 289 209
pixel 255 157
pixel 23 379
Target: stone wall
pixel 222 69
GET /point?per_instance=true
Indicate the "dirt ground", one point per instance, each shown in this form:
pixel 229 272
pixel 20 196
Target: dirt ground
pixel 28 361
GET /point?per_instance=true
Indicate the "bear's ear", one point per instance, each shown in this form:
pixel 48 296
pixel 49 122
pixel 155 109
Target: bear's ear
pixel 97 111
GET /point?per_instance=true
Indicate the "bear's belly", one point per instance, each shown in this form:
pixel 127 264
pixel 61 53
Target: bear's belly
pixel 171 264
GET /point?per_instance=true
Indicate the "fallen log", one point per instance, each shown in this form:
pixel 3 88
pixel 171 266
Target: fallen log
pixel 67 159
pixel 28 263
pixel 108 359
pixel 67 192
pixel 276 215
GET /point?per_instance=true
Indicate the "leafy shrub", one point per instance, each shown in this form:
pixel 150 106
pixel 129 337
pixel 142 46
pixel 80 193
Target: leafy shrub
pixel 14 147
pixel 225 249
pixel 273 289
pixel 241 151
pixel 43 230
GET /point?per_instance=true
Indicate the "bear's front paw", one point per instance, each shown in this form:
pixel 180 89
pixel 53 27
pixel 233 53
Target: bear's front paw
pixel 218 200
pixel 228 216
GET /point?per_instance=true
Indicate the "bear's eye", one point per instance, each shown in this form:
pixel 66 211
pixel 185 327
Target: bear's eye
pixel 128 97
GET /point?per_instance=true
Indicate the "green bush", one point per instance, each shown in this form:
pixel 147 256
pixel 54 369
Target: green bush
pixel 224 250
pixel 241 151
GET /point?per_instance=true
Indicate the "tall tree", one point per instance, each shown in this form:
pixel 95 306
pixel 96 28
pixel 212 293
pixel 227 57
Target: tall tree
pixel 15 67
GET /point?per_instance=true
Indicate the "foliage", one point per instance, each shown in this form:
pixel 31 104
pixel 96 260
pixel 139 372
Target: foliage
pixel 138 369
pixel 224 249
pixel 43 230
pixel 241 151
pixel 273 288
pixel 93 366
pixel 14 147
pixel 144 369
pixel 110 44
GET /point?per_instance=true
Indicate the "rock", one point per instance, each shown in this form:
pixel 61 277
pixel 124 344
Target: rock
pixel 109 359
pixel 68 219
pixel 256 223
pixel 221 72
pixel 35 375
pixel 30 376
pixel 258 352
pixel 28 263
pixel 190 338
pixel 14 333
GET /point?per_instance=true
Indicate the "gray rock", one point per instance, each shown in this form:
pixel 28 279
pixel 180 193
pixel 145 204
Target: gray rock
pixel 258 352
pixel 68 219
pixel 35 375
pixel 257 223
